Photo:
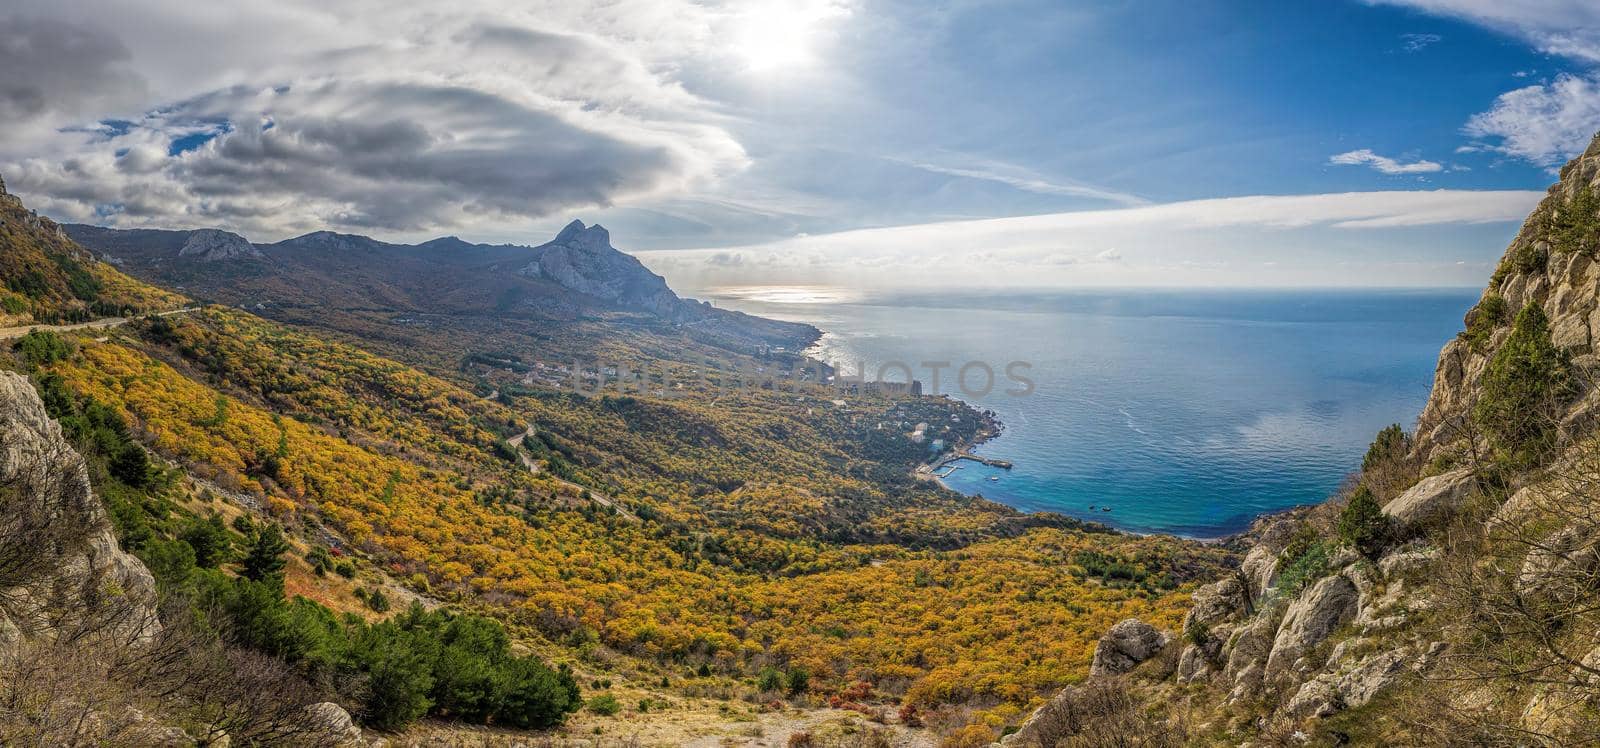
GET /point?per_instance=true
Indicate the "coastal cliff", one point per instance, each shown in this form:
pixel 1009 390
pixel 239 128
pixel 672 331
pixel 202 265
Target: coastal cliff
pixel 1447 595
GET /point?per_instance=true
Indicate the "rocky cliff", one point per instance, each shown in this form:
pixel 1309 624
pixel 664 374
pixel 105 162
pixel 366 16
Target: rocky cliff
pixel 1449 595
pixel 61 569
pixel 1551 264
pixel 582 259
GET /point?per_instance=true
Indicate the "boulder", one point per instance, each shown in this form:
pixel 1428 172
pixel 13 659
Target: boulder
pixel 1316 698
pixel 1432 497
pixel 1571 332
pixel 1373 674
pixel 1217 602
pixel 1562 566
pixel 1247 655
pixel 1127 644
pixel 335 722
pixel 1309 620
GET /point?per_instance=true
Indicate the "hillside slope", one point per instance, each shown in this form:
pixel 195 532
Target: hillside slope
pixel 45 277
pixel 1451 596
pixel 363 286
pixel 775 555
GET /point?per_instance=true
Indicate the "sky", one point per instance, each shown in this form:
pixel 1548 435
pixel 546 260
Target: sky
pixel 870 143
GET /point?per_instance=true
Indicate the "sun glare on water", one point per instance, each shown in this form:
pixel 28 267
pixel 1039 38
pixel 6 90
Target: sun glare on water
pixel 773 35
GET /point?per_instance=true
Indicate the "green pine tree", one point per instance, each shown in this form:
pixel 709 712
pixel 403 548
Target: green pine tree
pixel 263 558
pixel 1523 389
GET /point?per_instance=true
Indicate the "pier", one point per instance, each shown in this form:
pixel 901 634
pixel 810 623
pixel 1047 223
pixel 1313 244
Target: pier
pixel 959 456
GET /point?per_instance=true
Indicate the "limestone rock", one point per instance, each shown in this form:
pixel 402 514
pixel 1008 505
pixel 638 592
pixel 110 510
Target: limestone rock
pixel 1400 564
pixel 582 259
pixel 1247 656
pixel 1561 567
pixel 1316 698
pixel 1127 644
pixel 83 575
pixel 1217 602
pixel 1309 620
pixel 1433 496
pixel 1370 676
pixel 336 722
pixel 1260 568
pixel 214 245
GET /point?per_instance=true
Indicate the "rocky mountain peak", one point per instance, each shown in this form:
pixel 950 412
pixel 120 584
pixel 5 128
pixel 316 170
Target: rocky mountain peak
pixel 582 259
pixel 577 235
pixel 216 245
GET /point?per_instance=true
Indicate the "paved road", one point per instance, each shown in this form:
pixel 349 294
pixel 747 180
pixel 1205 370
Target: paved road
pixel 7 333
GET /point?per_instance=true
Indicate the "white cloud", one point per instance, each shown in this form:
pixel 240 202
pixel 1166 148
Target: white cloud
pixel 1023 179
pixel 1387 165
pixel 1545 124
pixel 1418 42
pixel 1160 244
pixel 1563 27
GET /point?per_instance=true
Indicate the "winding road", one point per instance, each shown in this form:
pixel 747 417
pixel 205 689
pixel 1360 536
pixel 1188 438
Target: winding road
pixel 536 468
pixel 7 333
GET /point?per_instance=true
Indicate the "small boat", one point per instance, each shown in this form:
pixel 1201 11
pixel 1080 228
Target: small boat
pixel 1092 507
pixel 994 477
pixel 1105 509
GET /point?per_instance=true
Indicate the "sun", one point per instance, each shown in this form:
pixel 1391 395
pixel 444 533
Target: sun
pixel 771 35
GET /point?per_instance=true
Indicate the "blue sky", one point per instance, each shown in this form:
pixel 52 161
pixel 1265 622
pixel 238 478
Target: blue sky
pixel 828 141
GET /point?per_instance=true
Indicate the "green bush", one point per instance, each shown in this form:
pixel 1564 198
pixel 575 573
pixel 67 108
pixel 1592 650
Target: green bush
pixel 770 679
pixel 131 465
pixel 377 600
pixel 604 705
pixel 1303 561
pixel 263 557
pixel 1576 226
pixel 1363 525
pixel 211 543
pixel 799 680
pixel 1523 388
pixel 1484 319
pixel 42 348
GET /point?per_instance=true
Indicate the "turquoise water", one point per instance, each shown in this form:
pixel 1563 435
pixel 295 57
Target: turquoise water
pixel 1185 412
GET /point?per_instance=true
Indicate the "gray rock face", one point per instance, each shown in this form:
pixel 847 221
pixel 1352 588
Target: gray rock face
pixel 1371 676
pixel 583 260
pixel 72 571
pixel 214 245
pixel 1308 621
pixel 1248 656
pixel 1316 698
pixel 1126 645
pixel 1400 564
pixel 1217 602
pixel 1433 496
pixel 1562 566
pixel 1260 567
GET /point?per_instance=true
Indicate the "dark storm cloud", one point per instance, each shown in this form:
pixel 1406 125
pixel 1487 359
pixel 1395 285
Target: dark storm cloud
pixel 488 121
pixel 55 68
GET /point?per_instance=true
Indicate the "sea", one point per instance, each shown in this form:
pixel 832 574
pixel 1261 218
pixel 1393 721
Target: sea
pixel 1187 412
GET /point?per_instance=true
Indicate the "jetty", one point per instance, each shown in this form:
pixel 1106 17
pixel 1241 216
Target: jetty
pixel 958 456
